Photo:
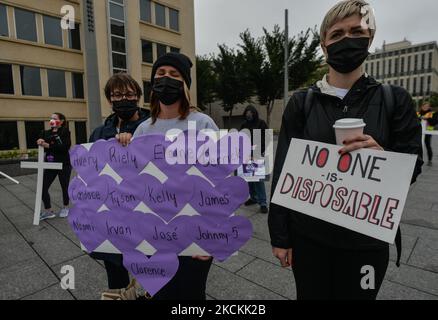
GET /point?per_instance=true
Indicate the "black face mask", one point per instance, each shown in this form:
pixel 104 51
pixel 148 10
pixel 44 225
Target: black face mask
pixel 347 55
pixel 125 109
pixel 168 90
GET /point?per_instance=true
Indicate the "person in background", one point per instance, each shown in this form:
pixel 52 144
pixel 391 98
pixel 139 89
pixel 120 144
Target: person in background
pixel 56 142
pixel 257 190
pixel 124 94
pixel 427 114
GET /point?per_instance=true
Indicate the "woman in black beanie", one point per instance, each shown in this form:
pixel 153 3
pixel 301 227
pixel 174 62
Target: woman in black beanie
pixel 171 108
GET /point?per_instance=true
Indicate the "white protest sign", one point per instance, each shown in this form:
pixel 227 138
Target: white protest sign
pixel 253 171
pixel 364 191
pixel 41 166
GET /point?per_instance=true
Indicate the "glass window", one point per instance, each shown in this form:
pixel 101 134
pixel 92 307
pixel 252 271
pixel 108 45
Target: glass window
pixel 161 50
pixel 56 82
pixel 160 15
pixel 119 61
pixel 81 132
pixel 8 135
pixel 4 30
pixel 117 12
pixel 33 133
pixel 145 10
pixel 25 25
pixel 74 37
pixel 174 19
pixel 147 89
pixel 52 31
pixel 118 44
pixel 6 79
pixel 30 81
pixel 77 80
pixel 172 49
pixel 147 51
pixel 117 28
pixel 423 61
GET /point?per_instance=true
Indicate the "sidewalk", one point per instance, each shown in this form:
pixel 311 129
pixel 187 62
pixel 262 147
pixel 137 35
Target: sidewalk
pixel 31 257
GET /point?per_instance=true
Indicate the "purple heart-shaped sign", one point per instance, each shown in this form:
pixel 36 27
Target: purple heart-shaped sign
pixel 91 196
pixel 169 198
pixel 152 273
pixel 126 195
pixel 85 229
pixel 125 161
pixel 165 238
pixel 122 228
pixel 84 162
pixel 220 237
pixel 221 200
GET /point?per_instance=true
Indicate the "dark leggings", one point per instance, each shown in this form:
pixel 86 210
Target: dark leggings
pixel 323 273
pixel 64 179
pixel 189 282
pixel 428 143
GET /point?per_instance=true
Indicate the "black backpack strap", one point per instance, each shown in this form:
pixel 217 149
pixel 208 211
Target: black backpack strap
pixel 308 103
pixel 388 97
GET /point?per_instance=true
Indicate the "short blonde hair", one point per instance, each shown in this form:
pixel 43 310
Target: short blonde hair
pixel 341 11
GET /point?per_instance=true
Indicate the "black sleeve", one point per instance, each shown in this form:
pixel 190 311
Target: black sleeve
pixel 96 135
pixel 63 144
pixel 434 120
pixel 292 126
pixel 406 129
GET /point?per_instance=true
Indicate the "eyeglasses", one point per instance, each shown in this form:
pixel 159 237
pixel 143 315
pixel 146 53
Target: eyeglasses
pixel 128 95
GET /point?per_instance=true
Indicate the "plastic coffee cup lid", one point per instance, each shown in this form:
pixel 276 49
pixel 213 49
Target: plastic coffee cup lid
pixel 349 124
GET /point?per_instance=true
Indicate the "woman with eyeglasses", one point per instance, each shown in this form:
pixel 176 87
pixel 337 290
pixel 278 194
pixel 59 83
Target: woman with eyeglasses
pixel 124 94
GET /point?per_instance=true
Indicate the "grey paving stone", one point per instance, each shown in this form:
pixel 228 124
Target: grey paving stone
pixel 420 232
pixel 425 255
pixel 417 204
pixel 260 249
pixel 7 199
pixel 54 292
pixel 90 278
pixel 394 291
pixel 25 278
pixel 14 249
pixel 408 243
pixel 52 246
pixel 235 263
pixel 424 218
pixel 224 285
pixel 272 277
pixel 423 280
pixel 260 226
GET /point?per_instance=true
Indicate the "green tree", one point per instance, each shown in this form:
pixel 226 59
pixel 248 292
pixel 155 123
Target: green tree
pixel 206 81
pixel 264 63
pixel 231 84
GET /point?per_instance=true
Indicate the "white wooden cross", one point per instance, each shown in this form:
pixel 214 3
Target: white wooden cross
pixel 41 166
pixel 8 177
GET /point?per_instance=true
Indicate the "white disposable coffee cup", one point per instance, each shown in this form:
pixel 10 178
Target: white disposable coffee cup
pixel 348 128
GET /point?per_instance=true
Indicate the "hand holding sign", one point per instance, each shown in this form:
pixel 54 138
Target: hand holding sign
pixel 356 190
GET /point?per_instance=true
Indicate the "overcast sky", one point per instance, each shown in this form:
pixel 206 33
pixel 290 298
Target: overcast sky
pixel 221 21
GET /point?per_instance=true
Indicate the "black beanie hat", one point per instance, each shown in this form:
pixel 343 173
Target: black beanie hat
pixel 177 60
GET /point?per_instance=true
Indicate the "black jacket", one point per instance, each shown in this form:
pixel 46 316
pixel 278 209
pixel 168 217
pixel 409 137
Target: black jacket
pixel 257 123
pixel 60 143
pixel 109 129
pixel 399 132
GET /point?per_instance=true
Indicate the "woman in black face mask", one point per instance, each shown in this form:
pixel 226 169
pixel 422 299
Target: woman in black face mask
pixel 326 259
pixel 171 108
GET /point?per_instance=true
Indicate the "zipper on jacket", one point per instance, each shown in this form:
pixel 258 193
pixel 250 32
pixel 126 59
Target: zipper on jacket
pixel 345 110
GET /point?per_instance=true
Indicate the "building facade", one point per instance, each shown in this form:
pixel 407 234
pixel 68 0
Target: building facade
pixel 46 67
pixel 411 66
